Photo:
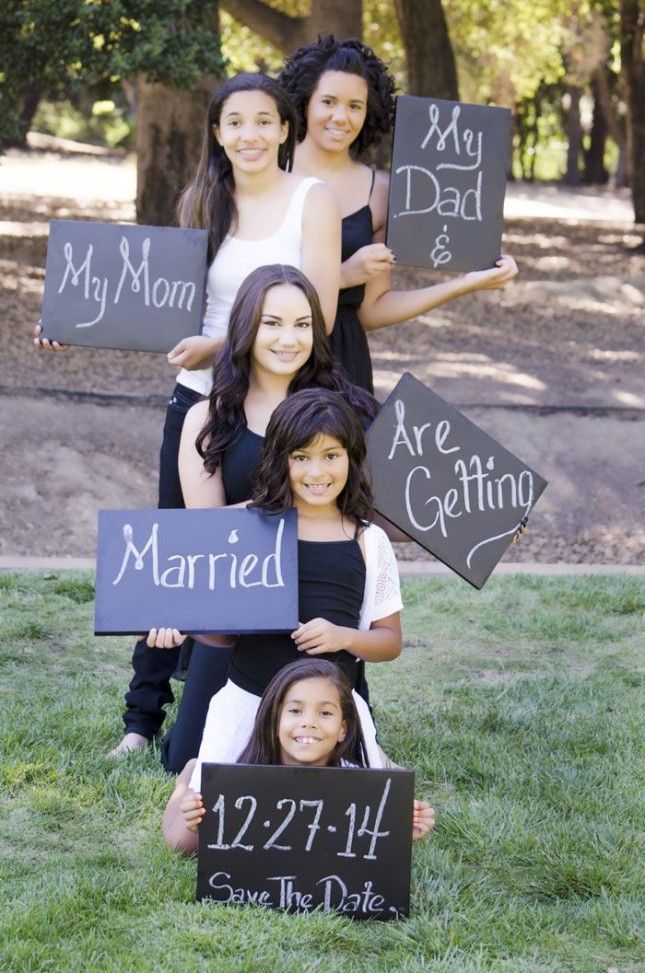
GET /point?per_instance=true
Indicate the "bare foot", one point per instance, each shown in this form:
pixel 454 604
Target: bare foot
pixel 129 743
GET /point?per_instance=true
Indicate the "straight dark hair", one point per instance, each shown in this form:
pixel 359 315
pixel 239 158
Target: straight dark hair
pixel 264 744
pixel 226 419
pixel 208 201
pixel 295 424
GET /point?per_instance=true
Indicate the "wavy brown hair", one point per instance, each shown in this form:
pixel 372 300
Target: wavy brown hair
pixel 302 72
pixel 264 745
pixel 295 424
pixel 208 201
pixel 232 367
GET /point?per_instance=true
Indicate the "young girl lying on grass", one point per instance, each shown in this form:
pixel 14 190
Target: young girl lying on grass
pixel 307 717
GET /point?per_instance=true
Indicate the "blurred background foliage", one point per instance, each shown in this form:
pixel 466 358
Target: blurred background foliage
pixel 72 68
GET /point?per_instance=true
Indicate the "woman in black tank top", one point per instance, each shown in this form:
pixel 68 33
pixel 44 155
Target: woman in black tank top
pixel 277 344
pixel 312 458
pixel 344 98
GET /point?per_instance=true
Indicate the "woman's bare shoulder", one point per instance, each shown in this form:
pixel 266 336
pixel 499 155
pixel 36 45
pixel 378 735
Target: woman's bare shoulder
pixel 196 416
pixel 378 202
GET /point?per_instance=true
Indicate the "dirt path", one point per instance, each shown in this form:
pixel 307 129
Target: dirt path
pixel 553 368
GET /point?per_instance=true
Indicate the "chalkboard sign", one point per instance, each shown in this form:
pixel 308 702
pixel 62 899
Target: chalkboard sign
pixel 119 286
pixel 447 183
pixel 445 482
pixel 224 570
pixel 298 838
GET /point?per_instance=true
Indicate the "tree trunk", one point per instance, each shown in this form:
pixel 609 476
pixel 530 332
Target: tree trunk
pixel 632 27
pixel 343 18
pixel 170 125
pixel 429 56
pixel 602 88
pixel 595 172
pixel 574 135
pixel 30 95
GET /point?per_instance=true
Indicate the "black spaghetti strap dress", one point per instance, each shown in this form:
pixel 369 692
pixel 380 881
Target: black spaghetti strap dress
pixel 348 339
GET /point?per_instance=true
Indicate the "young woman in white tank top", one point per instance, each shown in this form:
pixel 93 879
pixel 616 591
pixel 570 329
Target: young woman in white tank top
pixel 256 213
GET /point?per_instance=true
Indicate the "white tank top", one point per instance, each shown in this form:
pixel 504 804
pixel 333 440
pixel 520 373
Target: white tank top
pixel 234 261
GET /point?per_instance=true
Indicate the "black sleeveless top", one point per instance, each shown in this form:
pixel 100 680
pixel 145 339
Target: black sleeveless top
pixel 331 584
pixel 348 339
pixel 240 464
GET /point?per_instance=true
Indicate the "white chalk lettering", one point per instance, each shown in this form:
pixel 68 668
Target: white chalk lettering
pixel 338 898
pixel 402 437
pixel 156 300
pixel 130 549
pixel 163 293
pixel 426 189
pixel 239 896
pixel 451 129
pixel 135 285
pixel 276 560
pixel 183 570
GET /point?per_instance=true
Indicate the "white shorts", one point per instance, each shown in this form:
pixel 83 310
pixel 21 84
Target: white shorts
pixel 229 725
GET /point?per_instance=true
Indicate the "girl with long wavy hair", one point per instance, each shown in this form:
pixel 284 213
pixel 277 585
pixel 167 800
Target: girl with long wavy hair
pixel 276 346
pixel 348 587
pixel 253 209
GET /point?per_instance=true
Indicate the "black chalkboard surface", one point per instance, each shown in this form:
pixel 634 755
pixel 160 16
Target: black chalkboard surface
pixel 447 183
pixel 119 286
pixel 445 482
pixel 226 570
pixel 297 838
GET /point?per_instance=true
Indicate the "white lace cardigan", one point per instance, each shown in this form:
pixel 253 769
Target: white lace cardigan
pixel 382 589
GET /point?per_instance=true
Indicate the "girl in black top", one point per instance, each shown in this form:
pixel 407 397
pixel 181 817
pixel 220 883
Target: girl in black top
pixel 344 99
pixel 276 345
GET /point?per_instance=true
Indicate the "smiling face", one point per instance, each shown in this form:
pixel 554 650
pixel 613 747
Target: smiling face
pixel 250 130
pixel 284 338
pixel 311 723
pixel 336 110
pixel 318 473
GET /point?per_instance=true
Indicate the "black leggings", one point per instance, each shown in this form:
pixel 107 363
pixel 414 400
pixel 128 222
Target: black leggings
pixel 150 688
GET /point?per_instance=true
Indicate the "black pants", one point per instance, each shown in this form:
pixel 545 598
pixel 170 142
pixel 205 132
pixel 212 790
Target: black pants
pixel 206 675
pixel 150 688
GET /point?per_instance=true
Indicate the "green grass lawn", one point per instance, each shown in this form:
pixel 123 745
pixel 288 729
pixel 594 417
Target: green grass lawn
pixel 518 708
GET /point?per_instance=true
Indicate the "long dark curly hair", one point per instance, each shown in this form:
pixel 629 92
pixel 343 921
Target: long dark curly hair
pixel 303 69
pixel 231 370
pixel 264 744
pixel 295 424
pixel 208 201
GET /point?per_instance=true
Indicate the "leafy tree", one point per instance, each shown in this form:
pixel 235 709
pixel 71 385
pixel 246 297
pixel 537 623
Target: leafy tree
pixel 293 28
pixel 51 49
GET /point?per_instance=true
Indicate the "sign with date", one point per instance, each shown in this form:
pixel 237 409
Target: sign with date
pixel 223 570
pixel 110 285
pixel 301 838
pixel 447 183
pixel 445 482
